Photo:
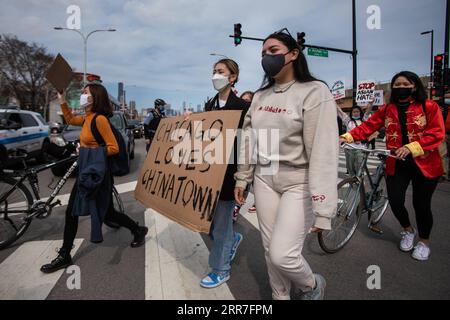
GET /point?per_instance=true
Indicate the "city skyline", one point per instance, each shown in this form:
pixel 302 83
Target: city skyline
pixel 161 49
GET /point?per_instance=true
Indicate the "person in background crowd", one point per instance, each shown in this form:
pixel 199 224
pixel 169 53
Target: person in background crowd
pixel 225 240
pixel 447 135
pixel 152 120
pixel 95 100
pixel 295 186
pixel 353 157
pixel 444 147
pixel 247 96
pixel 414 131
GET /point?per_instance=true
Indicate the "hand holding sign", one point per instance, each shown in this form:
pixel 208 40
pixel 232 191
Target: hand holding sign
pixel 365 93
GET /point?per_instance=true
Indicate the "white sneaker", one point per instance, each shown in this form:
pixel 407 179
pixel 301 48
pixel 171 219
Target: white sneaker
pixel 421 251
pixel 407 242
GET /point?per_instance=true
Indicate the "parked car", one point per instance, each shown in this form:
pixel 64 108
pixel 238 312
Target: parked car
pixel 120 122
pixel 72 133
pixel 20 129
pixel 55 127
pixel 138 131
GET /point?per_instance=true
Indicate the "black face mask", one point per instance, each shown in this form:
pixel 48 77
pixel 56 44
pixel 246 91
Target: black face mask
pixel 401 93
pixel 273 64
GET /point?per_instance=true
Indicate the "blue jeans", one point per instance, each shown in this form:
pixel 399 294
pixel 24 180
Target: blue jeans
pixel 223 237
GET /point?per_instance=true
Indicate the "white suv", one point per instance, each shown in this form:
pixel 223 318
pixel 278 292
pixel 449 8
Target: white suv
pixel 25 130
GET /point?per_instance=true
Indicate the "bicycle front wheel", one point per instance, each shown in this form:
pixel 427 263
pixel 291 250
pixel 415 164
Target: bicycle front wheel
pixel 347 218
pixel 14 210
pixel 379 203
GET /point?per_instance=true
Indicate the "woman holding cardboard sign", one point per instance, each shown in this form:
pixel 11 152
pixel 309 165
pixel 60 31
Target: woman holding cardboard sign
pixel 225 240
pixel 294 178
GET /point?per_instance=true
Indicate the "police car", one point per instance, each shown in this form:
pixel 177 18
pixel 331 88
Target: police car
pixel 25 130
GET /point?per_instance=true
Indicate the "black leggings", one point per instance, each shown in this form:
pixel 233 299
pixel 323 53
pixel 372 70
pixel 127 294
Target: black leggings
pixel 423 189
pixel 71 223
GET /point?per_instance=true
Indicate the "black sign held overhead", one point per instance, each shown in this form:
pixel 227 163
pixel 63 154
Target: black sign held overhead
pixel 59 74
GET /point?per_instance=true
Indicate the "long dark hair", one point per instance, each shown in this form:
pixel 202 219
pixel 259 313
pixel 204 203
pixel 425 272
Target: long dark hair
pixel 101 103
pixel 301 70
pixel 420 95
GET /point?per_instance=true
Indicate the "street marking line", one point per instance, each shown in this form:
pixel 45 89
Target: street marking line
pixel 21 278
pixel 176 259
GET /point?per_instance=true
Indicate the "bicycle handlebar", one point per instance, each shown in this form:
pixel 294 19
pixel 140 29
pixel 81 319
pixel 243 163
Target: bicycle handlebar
pixel 388 153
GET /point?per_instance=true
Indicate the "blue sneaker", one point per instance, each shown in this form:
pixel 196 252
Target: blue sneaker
pixel 237 241
pixel 213 280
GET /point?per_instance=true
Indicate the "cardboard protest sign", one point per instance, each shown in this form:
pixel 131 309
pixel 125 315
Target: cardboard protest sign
pixel 60 74
pixel 183 174
pixel 365 92
pixel 338 89
pixel 379 97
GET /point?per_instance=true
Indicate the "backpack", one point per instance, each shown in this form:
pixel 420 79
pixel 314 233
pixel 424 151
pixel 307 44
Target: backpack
pixel 118 163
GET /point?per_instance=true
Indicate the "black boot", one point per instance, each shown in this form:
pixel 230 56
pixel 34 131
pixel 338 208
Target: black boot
pixel 139 237
pixel 63 260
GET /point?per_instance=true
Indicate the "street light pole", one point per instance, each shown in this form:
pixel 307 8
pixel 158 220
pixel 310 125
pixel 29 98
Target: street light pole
pixel 432 51
pixel 432 54
pixel 85 39
pixel 354 53
pixel 218 54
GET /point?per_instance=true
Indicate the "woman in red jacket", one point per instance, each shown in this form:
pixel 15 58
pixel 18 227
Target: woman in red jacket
pixel 414 130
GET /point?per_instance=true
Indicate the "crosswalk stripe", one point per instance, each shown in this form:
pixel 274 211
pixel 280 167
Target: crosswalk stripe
pixel 176 259
pixel 21 275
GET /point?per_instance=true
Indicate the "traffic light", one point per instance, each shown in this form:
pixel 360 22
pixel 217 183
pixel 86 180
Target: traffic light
pixel 301 40
pixel 437 73
pixel 237 34
pixel 447 78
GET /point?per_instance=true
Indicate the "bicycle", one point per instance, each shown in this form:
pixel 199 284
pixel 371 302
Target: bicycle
pixel 18 207
pixel 354 201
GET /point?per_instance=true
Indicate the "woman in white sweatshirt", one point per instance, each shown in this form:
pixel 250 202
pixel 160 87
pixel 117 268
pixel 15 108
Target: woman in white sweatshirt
pixel 295 172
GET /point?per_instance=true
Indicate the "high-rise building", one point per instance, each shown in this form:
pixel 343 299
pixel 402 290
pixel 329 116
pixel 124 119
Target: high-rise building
pixel 120 92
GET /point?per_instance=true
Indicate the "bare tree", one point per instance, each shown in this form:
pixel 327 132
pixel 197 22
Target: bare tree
pixel 22 70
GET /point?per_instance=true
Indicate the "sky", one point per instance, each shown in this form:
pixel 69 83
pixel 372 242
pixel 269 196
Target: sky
pixel 162 48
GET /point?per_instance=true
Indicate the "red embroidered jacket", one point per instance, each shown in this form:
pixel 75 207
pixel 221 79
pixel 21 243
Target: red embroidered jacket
pixel 425 132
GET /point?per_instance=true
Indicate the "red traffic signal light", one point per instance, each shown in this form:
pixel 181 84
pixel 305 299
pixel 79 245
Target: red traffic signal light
pixel 438 73
pixel 237 34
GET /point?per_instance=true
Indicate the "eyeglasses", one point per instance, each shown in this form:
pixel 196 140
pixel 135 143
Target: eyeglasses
pixel 285 31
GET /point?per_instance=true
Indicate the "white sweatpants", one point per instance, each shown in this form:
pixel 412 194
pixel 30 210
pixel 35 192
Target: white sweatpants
pixel 285 217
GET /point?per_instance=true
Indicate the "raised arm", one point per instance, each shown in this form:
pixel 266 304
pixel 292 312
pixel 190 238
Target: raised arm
pixel 341 114
pixel 368 110
pixel 67 113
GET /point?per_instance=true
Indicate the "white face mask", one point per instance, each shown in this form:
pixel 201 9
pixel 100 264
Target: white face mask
pixel 220 81
pixel 84 100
